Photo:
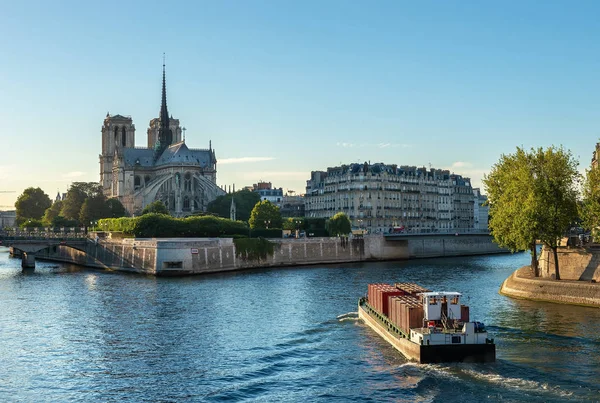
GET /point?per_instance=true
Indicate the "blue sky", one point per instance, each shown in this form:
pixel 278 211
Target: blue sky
pixel 282 88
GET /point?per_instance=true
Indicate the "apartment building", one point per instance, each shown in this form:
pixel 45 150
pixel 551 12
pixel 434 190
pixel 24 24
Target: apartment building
pixel 480 210
pixel 383 198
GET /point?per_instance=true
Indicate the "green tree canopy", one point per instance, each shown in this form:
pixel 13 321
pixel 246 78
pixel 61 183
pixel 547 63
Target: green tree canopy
pixel 31 223
pixel 76 195
pixel 114 208
pixel 556 179
pixel 265 215
pixel 52 212
pixel 157 207
pixel 32 204
pixel 245 201
pixel 339 224
pixel 532 196
pixel 60 221
pixel 590 207
pixel 93 209
pixel 293 223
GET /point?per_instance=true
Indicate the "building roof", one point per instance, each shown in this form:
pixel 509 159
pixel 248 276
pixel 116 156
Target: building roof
pixel 118 117
pixel 179 154
pixel 440 294
pixel 138 156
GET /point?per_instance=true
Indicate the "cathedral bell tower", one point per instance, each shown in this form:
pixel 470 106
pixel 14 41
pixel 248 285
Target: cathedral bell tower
pixel 118 132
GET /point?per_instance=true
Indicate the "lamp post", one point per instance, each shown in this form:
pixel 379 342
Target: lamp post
pixel 267 222
pixel 298 222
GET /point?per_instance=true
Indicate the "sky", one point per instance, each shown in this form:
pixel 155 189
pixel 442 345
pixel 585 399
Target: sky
pixel 282 88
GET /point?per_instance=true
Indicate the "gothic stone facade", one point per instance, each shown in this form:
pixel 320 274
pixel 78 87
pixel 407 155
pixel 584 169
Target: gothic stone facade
pixel 183 179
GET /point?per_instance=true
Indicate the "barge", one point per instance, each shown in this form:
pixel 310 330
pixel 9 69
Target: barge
pixel 425 326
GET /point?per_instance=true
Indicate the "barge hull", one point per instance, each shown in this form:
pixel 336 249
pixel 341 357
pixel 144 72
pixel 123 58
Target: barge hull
pixel 458 353
pixel 430 354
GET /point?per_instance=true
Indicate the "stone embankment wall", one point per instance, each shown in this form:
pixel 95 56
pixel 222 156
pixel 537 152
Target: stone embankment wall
pixel 573 263
pixel 522 284
pixel 206 255
pixel 450 245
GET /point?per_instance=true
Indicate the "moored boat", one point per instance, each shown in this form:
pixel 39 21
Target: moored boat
pixel 425 326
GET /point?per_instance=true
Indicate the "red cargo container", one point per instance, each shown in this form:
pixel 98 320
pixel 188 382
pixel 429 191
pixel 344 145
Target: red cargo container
pixel 386 294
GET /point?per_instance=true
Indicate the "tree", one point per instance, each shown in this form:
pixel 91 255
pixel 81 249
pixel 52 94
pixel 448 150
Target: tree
pixel 52 212
pixel 114 208
pixel 60 221
pixel 532 196
pixel 76 195
pixel 513 208
pixel 93 209
pixel 265 215
pixel 32 204
pixel 155 207
pixel 245 201
pixel 292 223
pixel 556 179
pixel 339 224
pixel 590 207
pixel 31 223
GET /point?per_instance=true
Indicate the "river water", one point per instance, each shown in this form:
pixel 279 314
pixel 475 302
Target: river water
pixel 280 335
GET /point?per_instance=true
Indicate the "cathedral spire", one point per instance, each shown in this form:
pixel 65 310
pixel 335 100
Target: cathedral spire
pixel 165 136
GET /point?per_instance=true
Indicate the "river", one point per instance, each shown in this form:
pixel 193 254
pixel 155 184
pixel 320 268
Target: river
pixel 279 335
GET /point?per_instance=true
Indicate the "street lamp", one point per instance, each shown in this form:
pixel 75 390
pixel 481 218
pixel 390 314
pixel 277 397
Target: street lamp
pixel 298 222
pixel 267 222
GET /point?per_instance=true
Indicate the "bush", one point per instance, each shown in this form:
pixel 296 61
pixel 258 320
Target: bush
pixel 154 225
pixel 266 233
pixel 122 224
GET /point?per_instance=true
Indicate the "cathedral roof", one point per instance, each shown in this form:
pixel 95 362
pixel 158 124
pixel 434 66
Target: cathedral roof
pixel 179 153
pixel 138 156
pixel 120 117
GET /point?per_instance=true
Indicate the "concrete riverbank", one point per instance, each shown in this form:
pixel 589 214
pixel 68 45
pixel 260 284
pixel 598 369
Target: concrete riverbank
pixel 522 284
pixel 182 256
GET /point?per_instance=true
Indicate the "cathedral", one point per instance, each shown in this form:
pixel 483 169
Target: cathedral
pixel 183 179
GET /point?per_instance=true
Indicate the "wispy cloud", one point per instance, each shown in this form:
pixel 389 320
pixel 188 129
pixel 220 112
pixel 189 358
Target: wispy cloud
pixel 7 171
pixel 74 174
pixel 244 160
pixel 462 164
pixel 372 145
pixel 469 170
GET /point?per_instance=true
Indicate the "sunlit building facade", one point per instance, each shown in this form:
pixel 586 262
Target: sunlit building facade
pixel 383 198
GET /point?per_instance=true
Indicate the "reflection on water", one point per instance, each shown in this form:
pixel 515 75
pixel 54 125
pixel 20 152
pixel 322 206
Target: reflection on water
pixel 275 335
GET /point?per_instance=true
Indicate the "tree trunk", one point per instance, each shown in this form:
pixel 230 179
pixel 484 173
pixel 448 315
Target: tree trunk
pixel 534 261
pixel 556 272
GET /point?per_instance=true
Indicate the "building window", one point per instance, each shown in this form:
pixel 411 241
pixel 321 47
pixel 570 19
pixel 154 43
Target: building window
pixel 146 179
pixel 116 136
pixel 124 137
pixel 137 182
pixel 186 203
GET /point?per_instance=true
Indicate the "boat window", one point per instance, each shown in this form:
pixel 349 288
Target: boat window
pixel 433 301
pixel 454 300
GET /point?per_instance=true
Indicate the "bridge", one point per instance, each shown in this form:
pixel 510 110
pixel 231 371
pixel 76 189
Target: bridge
pixel 28 244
